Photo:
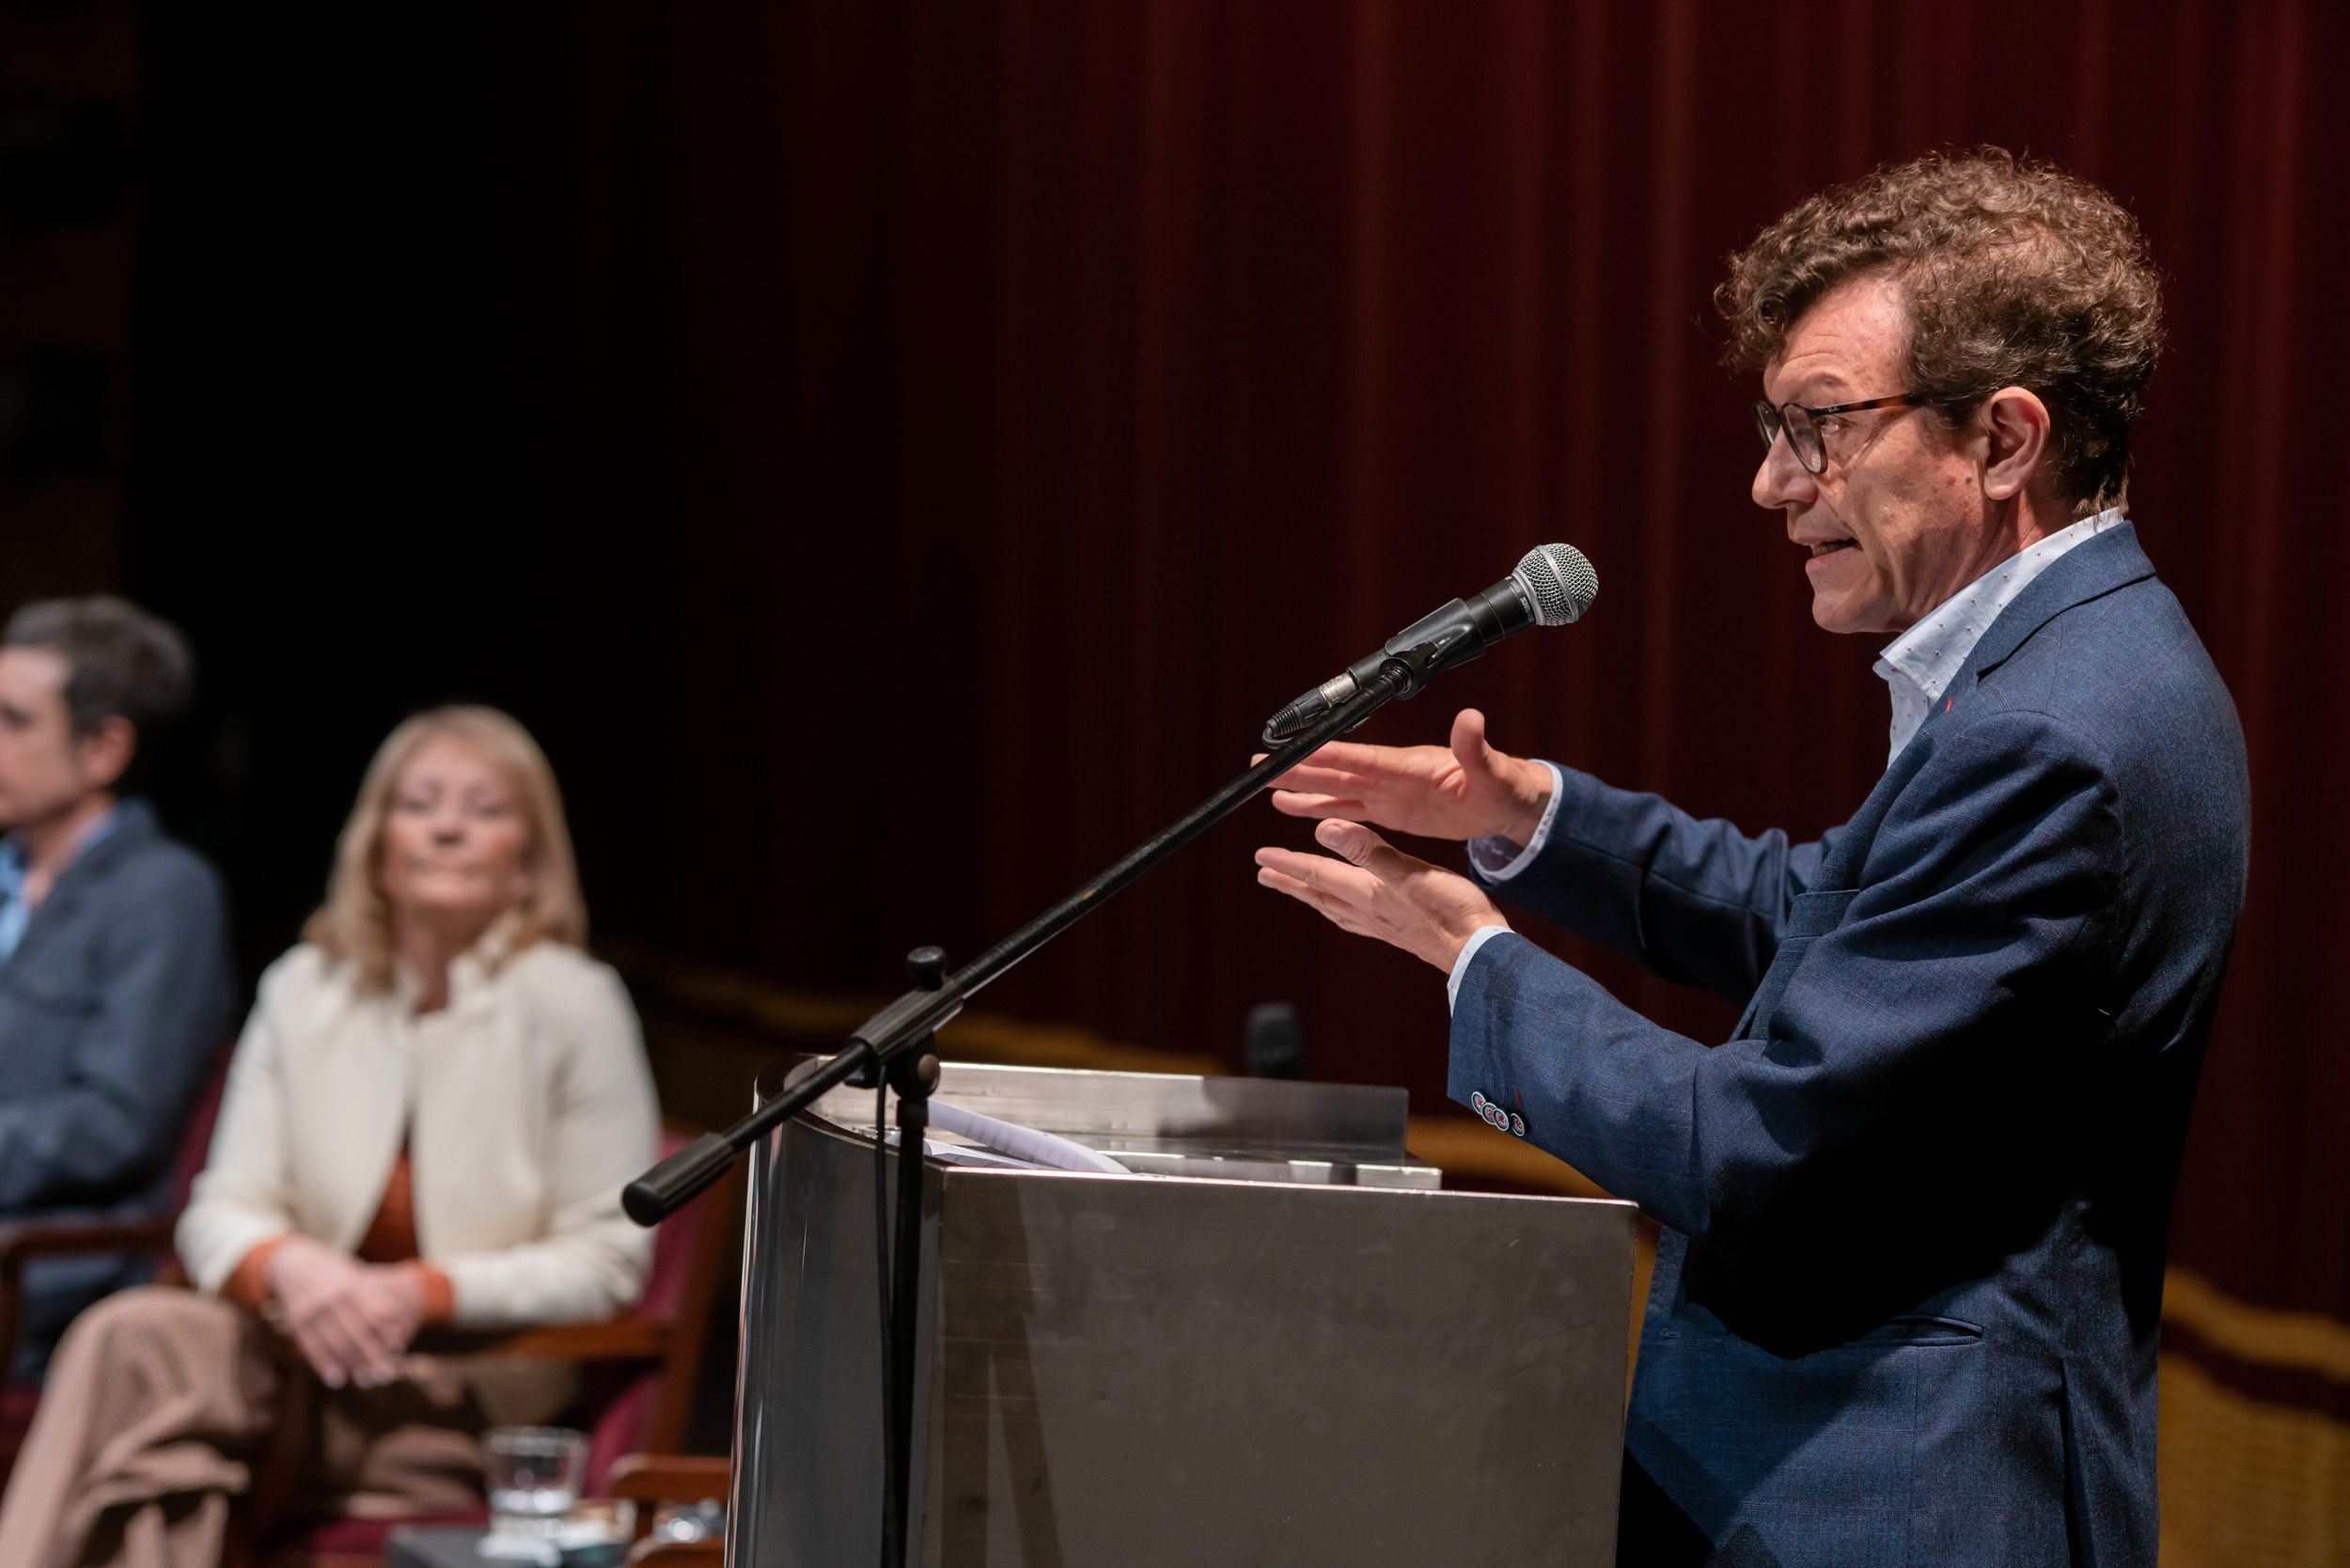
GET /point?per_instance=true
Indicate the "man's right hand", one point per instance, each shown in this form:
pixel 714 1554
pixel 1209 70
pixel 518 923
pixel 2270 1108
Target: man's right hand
pixel 1468 791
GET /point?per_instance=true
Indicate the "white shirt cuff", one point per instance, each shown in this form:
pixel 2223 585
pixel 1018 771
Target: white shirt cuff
pixel 1478 938
pixel 1499 858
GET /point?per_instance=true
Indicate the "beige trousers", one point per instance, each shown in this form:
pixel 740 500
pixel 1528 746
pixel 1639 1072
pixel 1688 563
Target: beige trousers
pixel 158 1405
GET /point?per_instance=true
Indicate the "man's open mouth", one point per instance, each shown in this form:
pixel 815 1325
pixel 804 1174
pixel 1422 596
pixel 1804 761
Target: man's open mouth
pixel 1830 545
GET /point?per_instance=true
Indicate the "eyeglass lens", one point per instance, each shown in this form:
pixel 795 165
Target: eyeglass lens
pixel 1802 430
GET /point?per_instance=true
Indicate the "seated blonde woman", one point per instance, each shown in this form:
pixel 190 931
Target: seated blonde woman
pixel 429 1118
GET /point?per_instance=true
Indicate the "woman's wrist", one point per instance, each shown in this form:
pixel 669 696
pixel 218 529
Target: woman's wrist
pixel 253 1281
pixel 287 1252
pixel 436 1297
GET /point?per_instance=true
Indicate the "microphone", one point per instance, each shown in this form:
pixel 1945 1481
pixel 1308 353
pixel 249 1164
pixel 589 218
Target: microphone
pixel 1552 587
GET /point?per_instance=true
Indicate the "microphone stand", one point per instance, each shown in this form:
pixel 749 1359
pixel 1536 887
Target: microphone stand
pixel 913 1076
pixel 896 1044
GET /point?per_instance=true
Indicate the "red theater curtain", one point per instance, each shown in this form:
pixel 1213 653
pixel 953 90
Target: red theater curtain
pixel 984 415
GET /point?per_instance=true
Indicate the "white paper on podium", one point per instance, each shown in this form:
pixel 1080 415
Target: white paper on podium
pixel 1021 1143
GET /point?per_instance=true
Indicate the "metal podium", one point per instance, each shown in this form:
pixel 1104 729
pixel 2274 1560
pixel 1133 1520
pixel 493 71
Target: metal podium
pixel 1279 1342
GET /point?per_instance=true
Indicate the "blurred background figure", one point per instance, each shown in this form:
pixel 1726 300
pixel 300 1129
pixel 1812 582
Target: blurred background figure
pixel 430 1116
pixel 116 988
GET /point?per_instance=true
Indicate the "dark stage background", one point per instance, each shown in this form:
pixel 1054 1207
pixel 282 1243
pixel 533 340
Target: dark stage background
pixel 896 454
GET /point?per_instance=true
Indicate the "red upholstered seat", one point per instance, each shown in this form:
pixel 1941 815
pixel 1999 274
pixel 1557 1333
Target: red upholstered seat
pixel 16 1417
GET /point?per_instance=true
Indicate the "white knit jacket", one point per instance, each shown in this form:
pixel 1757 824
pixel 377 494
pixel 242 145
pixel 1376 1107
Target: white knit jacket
pixel 525 1103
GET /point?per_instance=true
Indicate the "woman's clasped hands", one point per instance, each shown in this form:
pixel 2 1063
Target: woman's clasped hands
pixel 352 1320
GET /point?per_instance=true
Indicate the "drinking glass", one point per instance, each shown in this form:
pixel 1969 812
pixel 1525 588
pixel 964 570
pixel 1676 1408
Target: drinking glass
pixel 536 1476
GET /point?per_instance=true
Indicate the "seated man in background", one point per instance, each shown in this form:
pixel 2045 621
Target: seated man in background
pixel 116 990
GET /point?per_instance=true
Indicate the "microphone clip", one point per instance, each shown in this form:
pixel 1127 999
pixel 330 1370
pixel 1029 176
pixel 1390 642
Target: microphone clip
pixel 1414 666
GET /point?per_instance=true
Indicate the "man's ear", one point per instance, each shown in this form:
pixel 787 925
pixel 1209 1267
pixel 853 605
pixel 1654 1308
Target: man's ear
pixel 106 755
pixel 2014 425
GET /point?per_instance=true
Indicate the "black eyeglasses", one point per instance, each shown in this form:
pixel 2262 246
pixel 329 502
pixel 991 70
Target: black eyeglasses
pixel 1802 425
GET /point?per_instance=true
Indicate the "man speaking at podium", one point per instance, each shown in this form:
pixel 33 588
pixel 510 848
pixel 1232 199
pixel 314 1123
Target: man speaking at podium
pixel 1906 1298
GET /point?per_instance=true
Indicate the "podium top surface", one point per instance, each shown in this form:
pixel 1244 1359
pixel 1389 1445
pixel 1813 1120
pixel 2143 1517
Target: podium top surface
pixel 1181 1123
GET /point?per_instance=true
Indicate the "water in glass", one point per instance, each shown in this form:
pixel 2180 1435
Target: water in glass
pixel 536 1476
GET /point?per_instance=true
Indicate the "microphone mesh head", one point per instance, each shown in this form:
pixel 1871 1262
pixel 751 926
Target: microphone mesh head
pixel 1560 581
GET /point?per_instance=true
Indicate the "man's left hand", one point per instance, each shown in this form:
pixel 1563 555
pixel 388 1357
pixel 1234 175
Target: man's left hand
pixel 1375 889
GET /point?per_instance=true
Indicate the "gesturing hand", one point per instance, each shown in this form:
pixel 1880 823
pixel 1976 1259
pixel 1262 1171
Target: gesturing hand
pixel 1465 790
pixel 1377 890
pixel 350 1319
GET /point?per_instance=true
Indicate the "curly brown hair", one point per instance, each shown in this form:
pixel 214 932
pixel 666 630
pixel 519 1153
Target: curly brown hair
pixel 2015 273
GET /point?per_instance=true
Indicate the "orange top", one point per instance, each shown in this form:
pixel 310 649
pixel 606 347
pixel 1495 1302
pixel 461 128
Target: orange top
pixel 391 1238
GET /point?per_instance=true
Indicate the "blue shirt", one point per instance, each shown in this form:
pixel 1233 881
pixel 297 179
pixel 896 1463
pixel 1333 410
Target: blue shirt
pixel 15 914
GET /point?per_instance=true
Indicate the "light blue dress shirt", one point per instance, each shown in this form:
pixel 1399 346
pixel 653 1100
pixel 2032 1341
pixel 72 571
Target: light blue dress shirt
pixel 15 914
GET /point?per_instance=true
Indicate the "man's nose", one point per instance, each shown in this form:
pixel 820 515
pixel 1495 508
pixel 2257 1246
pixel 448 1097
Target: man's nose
pixel 1779 479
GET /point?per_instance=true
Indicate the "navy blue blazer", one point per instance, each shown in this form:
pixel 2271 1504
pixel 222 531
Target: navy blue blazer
pixel 1908 1295
pixel 113 1008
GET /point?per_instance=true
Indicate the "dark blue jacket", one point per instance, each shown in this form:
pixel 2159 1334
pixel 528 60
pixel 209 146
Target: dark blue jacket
pixel 113 1009
pixel 1907 1301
